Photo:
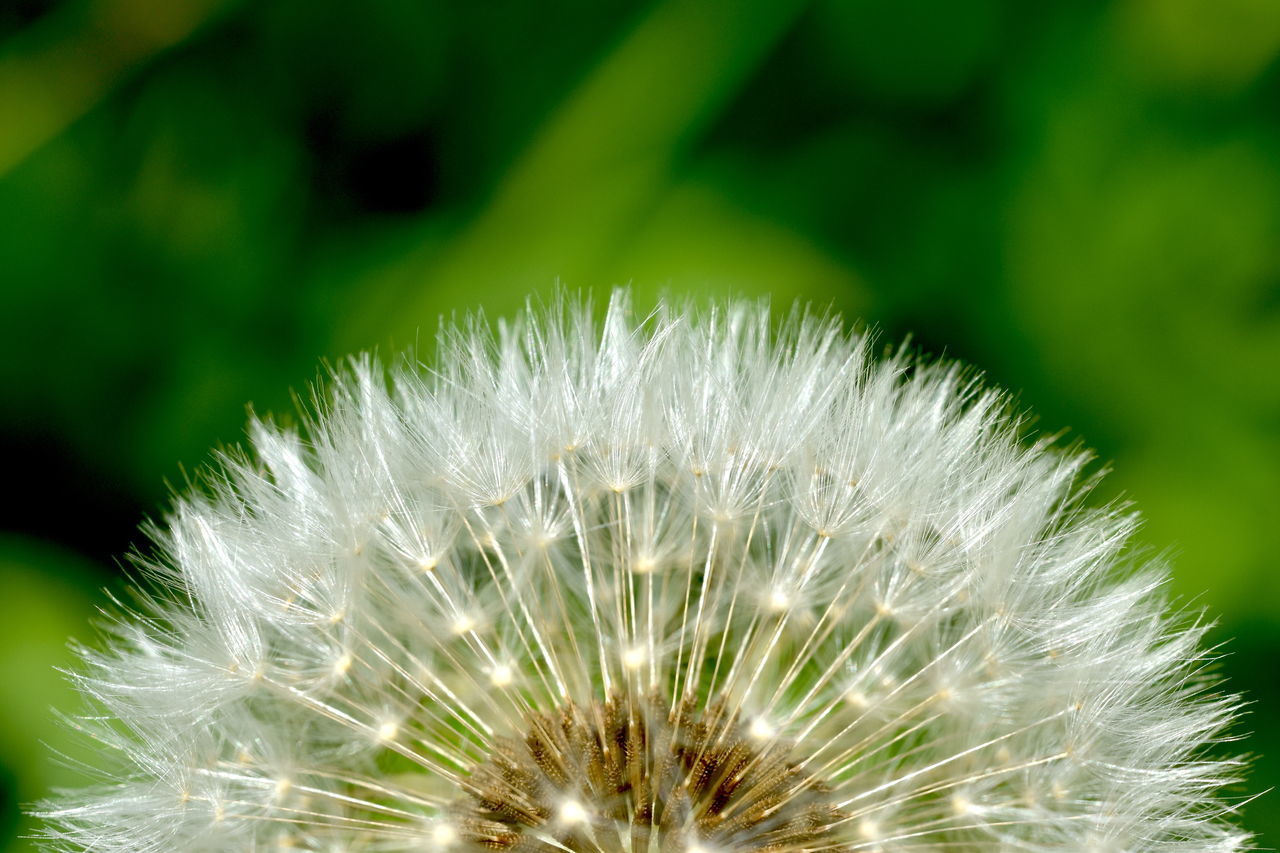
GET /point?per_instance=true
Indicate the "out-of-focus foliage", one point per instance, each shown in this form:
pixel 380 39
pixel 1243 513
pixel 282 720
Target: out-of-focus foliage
pixel 48 596
pixel 201 198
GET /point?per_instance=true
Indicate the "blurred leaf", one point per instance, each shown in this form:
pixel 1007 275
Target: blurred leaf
pixel 48 597
pixel 1189 45
pixel 600 162
pixel 697 237
pixel 53 73
pixel 909 50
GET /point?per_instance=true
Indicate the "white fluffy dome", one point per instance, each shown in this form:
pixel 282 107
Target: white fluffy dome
pixel 678 584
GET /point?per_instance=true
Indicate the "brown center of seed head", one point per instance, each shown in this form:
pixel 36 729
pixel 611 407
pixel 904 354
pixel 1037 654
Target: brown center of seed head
pixel 630 775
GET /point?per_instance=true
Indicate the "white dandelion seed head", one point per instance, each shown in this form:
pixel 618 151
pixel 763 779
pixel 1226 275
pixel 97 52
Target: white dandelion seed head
pixel 685 583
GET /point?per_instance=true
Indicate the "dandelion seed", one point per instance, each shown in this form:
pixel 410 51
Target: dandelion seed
pixel 690 583
pixel 388 730
pixel 573 812
pixel 444 835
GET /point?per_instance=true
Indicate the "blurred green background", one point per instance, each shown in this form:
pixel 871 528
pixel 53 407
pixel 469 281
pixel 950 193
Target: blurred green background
pixel 200 199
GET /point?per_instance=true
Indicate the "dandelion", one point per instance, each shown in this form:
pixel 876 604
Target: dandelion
pixel 688 584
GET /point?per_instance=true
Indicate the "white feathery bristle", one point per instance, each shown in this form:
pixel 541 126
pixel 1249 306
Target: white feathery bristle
pixel 688 583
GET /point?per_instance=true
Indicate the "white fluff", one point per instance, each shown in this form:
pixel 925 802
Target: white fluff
pixel 861 557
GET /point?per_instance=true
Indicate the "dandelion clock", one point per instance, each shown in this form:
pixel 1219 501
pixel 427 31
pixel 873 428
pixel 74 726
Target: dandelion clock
pixel 690 582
